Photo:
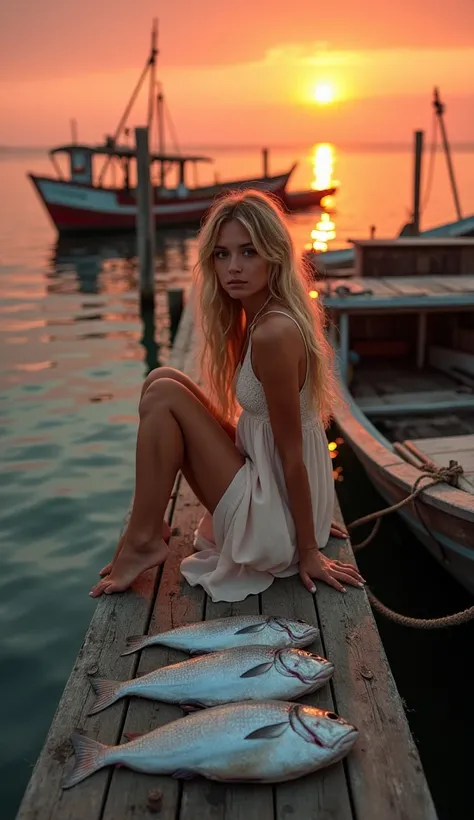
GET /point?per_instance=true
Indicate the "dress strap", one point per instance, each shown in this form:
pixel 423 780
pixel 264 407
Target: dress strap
pixel 284 313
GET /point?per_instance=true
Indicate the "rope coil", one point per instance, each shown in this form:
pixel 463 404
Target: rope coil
pixel 449 475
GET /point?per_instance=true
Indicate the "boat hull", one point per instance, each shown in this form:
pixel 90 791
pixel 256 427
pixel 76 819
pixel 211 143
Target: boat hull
pixel 304 200
pixel 434 528
pixel 442 517
pixel 75 208
pixel 344 258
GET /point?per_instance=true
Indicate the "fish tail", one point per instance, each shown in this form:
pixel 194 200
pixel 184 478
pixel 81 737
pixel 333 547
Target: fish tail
pixel 90 757
pixel 107 691
pixel 135 642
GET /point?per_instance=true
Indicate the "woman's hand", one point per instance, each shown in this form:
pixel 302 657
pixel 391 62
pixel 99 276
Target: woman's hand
pixel 338 531
pixel 313 564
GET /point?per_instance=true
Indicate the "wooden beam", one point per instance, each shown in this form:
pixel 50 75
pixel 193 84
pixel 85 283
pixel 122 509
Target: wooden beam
pixel 421 341
pixel 344 346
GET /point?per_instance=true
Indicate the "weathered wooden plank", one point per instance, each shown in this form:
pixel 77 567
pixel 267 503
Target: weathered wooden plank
pixel 379 287
pixel 234 801
pixel 448 360
pixel 176 604
pixel 447 444
pixel 44 798
pixel 384 768
pixel 455 284
pixel 323 794
pixel 113 618
pixel 409 286
pixel 420 402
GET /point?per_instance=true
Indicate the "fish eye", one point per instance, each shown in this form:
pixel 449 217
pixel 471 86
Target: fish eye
pixel 332 716
pixel 298 621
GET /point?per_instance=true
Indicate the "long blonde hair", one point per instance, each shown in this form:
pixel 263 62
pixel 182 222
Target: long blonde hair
pixel 223 318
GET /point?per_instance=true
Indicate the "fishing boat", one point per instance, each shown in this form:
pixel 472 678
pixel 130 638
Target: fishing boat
pixel 341 261
pixel 403 328
pixel 96 192
pixel 305 200
pixel 83 204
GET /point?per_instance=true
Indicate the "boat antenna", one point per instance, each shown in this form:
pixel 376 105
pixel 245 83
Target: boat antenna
pixel 152 65
pixel 439 110
pixel 149 66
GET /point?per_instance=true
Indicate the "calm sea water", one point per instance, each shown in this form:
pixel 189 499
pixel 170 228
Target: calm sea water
pixel 73 354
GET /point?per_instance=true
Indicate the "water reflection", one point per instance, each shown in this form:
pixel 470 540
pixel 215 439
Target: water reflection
pixel 107 267
pixel 324 231
pixel 108 264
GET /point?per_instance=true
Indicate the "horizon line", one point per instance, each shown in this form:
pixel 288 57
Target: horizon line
pixel 342 145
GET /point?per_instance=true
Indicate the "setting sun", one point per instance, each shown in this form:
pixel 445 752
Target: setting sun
pixel 324 93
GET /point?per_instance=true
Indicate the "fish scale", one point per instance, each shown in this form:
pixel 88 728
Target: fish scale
pixel 227 633
pixel 246 673
pixel 265 741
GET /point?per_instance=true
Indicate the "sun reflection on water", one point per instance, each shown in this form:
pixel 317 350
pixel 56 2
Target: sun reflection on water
pixel 324 231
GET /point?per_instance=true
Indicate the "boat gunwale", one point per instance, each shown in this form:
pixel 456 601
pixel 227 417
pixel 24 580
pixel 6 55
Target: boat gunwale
pixel 445 497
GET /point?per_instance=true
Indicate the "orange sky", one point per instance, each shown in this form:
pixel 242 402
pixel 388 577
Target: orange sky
pixel 241 73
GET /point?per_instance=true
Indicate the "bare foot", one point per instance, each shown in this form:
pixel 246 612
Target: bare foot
pixel 131 562
pixel 165 534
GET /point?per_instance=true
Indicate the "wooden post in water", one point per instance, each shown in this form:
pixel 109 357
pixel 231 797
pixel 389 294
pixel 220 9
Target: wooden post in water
pixel 145 221
pixel 265 162
pixel 175 310
pixel 417 182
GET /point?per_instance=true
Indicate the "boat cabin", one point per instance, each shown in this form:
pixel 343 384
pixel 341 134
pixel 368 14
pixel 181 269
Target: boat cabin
pixel 414 257
pixel 410 311
pixel 83 171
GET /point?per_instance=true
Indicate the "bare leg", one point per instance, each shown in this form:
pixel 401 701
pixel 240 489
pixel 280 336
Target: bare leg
pixel 173 422
pixel 152 378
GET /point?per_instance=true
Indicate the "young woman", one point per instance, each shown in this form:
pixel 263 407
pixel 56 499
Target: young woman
pixel 267 485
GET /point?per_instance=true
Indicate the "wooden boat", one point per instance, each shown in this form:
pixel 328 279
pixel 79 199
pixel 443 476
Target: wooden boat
pixel 81 204
pixel 304 200
pixel 88 198
pixel 406 360
pixel 341 261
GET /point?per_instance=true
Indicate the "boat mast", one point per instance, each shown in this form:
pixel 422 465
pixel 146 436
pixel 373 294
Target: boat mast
pixel 439 109
pixel 161 132
pixel 150 65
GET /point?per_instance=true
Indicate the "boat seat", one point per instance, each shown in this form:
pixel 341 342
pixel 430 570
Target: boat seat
pixel 425 401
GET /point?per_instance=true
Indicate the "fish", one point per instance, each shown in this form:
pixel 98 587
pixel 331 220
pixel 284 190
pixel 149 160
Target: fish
pixel 252 742
pixel 244 673
pixel 227 633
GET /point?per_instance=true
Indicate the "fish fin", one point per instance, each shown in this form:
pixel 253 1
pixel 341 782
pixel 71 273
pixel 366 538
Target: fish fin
pixel 90 758
pixel 268 732
pixel 132 735
pixel 257 670
pixel 184 774
pixel 248 630
pixel 107 691
pixel 135 642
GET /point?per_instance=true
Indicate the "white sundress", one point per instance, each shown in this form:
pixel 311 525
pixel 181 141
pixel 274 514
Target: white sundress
pixel 251 538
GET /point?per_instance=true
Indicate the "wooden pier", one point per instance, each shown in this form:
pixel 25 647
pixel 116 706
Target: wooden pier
pixel 381 779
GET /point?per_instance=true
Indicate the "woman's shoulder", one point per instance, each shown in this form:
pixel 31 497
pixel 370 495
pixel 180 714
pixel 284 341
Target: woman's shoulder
pixel 277 326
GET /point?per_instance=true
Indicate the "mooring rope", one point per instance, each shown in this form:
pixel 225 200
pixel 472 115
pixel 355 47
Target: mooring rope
pixel 435 476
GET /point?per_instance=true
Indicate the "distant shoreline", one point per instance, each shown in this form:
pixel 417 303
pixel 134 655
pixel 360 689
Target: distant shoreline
pixel 353 147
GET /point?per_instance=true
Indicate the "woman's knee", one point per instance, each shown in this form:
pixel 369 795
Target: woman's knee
pixel 160 373
pixel 160 392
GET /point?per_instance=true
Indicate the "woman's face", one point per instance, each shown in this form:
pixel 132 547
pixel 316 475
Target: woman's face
pixel 241 271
